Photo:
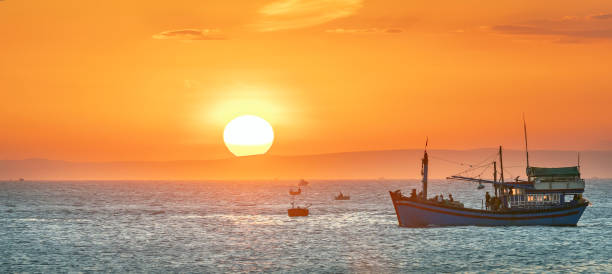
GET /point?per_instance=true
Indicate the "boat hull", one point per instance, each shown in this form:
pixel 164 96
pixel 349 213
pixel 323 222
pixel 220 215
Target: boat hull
pixel 297 212
pixel 416 213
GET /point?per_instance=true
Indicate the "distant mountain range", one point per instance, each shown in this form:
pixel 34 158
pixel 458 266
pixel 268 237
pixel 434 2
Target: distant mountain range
pixel 348 165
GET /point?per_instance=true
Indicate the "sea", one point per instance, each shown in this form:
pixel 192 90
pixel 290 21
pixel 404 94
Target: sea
pixel 242 226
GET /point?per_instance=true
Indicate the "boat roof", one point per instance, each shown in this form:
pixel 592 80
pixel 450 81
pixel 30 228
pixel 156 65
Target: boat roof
pixel 552 171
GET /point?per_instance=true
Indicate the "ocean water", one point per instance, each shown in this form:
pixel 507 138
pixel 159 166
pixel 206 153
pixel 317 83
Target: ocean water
pixel 210 227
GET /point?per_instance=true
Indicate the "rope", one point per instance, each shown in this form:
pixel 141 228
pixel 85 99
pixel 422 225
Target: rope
pixel 451 161
pixel 472 169
pixel 483 171
pixel 508 171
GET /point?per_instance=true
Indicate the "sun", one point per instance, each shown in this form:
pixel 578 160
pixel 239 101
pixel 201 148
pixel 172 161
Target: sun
pixel 248 135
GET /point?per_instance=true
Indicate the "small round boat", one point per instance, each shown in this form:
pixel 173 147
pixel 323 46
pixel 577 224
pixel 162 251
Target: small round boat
pixel 297 212
pixel 295 192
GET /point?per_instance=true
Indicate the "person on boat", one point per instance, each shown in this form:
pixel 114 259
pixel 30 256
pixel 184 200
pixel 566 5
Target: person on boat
pixel 487 200
pixel 413 194
pixel 450 197
pixel 496 203
pixel 441 198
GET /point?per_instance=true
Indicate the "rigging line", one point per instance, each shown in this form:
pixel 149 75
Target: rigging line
pixel 510 173
pixel 450 161
pixel 472 169
pixel 468 164
pixel 485 163
pixel 488 159
pixel 483 171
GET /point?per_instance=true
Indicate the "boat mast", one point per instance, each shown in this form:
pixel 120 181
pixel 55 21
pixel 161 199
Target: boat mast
pixel 501 164
pixel 494 171
pixel 424 170
pixel 495 176
pixel 526 150
pixel 501 171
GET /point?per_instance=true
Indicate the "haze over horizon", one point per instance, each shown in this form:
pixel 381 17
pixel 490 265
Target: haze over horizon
pixel 391 164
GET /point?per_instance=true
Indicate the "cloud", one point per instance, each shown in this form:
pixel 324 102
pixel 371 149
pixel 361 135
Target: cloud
pixel 296 14
pixel 602 16
pixel 568 28
pixel 365 30
pixel 523 30
pixel 190 35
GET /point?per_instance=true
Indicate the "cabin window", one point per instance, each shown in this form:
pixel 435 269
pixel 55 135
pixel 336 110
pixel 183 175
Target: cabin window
pixel 517 191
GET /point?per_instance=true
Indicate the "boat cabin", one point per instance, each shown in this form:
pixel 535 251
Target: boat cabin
pixel 546 187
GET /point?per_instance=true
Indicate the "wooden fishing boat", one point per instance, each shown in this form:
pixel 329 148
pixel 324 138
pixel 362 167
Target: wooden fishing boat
pixel 295 192
pixel 549 196
pixel 296 211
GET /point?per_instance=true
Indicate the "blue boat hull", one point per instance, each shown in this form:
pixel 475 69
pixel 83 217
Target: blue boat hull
pixel 416 213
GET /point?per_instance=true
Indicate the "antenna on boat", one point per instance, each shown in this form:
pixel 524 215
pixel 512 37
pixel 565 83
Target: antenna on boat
pixel 526 150
pixel 501 164
pixel 579 161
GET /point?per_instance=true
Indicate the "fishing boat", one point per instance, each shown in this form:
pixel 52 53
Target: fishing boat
pixel 295 192
pixel 342 197
pixel 296 211
pixel 549 196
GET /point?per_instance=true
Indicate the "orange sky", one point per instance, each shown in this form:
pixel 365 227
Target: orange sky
pixel 158 80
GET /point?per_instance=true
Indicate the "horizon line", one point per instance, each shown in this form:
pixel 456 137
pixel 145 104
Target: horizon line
pixel 295 155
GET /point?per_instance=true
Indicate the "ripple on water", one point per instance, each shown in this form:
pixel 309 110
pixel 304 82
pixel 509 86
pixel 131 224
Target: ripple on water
pixel 243 226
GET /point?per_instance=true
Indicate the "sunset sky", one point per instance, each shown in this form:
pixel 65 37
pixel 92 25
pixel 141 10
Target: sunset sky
pixel 159 80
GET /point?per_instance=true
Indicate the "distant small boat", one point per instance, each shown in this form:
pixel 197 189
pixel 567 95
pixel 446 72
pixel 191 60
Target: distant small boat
pixel 21 179
pixel 297 211
pixel 342 197
pixel 292 192
pixel 480 185
pixel 303 183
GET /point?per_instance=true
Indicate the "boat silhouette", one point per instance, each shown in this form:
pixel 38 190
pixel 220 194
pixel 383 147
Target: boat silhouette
pixel 342 197
pixel 296 211
pixel 296 192
pixel 549 196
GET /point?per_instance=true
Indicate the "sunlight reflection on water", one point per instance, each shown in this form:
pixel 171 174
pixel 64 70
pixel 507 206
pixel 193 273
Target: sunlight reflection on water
pixel 243 226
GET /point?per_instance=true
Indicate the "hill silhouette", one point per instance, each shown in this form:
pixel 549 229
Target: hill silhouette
pixel 347 165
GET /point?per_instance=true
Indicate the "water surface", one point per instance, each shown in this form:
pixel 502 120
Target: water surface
pixel 243 226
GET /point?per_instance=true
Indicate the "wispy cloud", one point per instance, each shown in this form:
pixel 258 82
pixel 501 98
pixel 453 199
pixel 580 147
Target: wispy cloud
pixel 569 28
pixel 602 16
pixel 191 35
pixel 296 14
pixel 364 30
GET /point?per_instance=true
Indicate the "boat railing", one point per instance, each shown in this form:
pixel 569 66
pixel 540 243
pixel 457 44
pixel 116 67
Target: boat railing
pixel 534 200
